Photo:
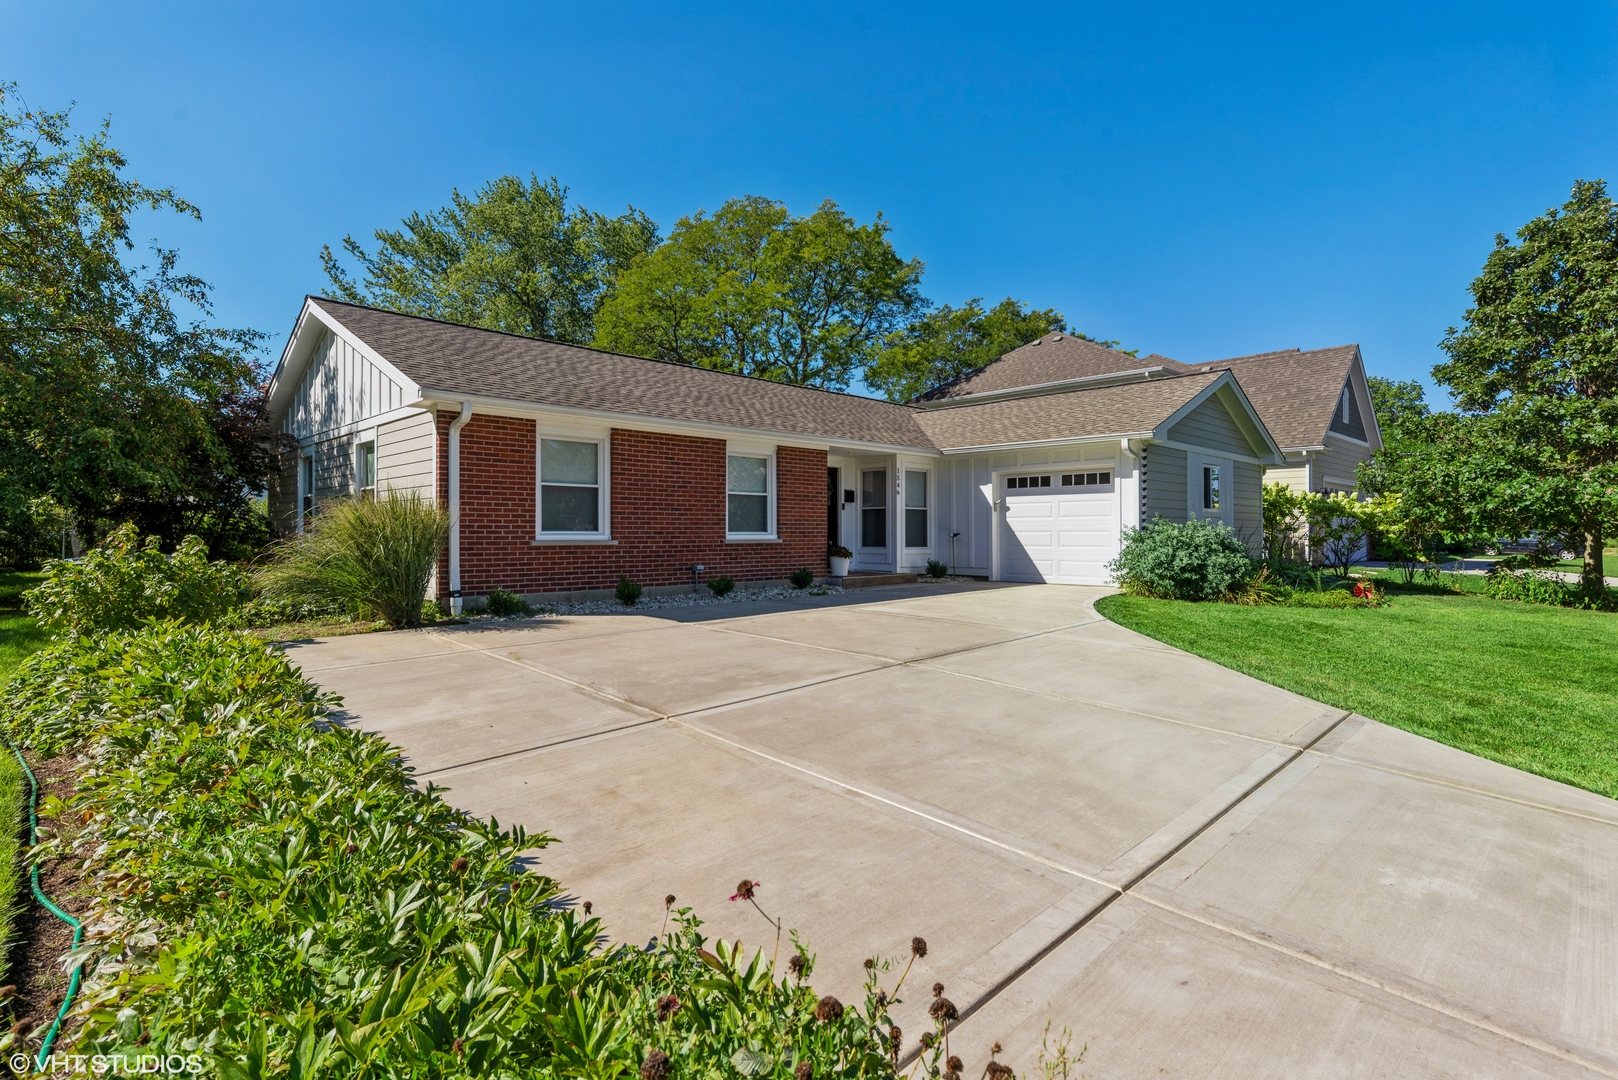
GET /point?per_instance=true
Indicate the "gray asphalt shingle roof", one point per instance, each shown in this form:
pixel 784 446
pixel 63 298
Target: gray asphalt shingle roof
pixel 1052 358
pixel 1294 392
pixel 1119 409
pixel 452 359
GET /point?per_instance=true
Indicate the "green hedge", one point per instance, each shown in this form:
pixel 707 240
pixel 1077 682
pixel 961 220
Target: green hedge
pixel 273 893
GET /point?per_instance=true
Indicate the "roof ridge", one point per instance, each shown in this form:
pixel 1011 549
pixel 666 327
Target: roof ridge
pixel 966 402
pixel 608 352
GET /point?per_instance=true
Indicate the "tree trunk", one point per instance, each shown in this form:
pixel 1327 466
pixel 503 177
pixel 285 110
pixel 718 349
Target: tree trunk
pixel 1592 580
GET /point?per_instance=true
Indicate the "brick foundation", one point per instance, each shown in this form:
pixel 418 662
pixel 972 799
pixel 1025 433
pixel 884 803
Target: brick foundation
pixel 668 513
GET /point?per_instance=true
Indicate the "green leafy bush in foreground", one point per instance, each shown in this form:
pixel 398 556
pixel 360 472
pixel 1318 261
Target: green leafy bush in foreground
pixel 374 555
pixel 125 581
pixel 273 893
pixel 1192 560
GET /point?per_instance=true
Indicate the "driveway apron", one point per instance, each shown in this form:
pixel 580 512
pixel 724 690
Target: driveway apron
pixel 1195 873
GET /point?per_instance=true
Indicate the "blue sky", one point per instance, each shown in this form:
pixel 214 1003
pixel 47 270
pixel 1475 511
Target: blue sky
pixel 1194 182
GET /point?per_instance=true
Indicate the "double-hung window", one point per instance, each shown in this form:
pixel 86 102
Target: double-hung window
pixel 749 487
pixel 874 508
pixel 570 487
pixel 915 509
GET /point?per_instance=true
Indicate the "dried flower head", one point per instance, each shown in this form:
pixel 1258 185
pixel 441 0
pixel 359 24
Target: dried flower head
pixel 870 964
pixel 459 865
pixel 829 1010
pixel 744 889
pixel 943 1009
pixel 881 997
pixel 927 1040
pixel 586 906
pixel 668 901
pixel 667 1006
pixel 655 1067
pixel 993 1050
pixel 938 989
pixel 999 1071
pixel 805 1070
pixel 918 947
pixel 954 1063
pixel 950 1074
pixel 457 1046
pixel 796 965
pixel 351 849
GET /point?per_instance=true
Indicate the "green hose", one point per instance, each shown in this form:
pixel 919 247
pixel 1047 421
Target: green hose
pixel 39 894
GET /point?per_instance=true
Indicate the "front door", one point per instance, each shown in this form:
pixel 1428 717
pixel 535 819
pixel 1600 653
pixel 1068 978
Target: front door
pixel 834 505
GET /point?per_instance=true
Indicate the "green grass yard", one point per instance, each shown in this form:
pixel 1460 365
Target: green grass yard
pixel 19 636
pixel 1533 687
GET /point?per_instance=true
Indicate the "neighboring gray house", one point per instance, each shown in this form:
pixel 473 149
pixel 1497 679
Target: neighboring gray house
pixel 563 467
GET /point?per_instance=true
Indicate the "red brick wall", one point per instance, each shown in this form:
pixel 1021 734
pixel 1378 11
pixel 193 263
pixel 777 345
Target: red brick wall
pixel 668 513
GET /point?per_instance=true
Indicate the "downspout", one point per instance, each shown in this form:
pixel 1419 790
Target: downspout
pixel 455 506
pixel 1140 477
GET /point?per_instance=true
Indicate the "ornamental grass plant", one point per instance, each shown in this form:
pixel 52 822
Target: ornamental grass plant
pixel 374 554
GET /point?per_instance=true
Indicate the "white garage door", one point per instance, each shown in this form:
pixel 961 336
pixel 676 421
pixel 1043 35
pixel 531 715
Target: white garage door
pixel 1059 527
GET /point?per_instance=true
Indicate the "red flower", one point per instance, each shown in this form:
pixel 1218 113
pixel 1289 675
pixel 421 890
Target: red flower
pixel 1359 590
pixel 744 891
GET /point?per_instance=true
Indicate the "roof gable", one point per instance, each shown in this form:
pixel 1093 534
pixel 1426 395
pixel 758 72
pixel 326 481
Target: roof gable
pixel 1054 358
pixel 1296 392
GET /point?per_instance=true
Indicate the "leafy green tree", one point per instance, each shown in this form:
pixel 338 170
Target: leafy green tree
pixel 112 407
pixel 513 256
pixel 1535 372
pixel 1399 406
pixel 755 290
pixel 949 342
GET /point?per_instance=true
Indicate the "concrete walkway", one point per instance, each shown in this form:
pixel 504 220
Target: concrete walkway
pixel 1201 875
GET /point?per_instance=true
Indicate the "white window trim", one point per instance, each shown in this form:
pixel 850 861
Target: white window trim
pixel 360 439
pixel 931 507
pixel 603 487
pixel 1193 484
pixel 768 454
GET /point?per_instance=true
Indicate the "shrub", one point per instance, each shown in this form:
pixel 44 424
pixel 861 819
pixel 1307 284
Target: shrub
pixel 1284 524
pixel 1528 586
pixel 1336 529
pixel 265 611
pixel 274 888
pixel 506 604
pixel 937 568
pixel 721 585
pixel 126 581
pixel 1197 560
pixel 802 577
pixel 374 554
pixel 628 591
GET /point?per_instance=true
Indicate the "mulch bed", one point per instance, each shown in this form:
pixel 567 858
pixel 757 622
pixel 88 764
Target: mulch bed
pixel 43 939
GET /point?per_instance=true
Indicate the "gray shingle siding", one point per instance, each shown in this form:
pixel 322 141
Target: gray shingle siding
pixel 1163 493
pixel 1210 425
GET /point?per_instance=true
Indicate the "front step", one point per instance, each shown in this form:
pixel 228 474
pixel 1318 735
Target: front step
pixel 864 579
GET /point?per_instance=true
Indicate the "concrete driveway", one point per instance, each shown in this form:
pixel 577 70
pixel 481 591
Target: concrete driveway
pixel 1199 874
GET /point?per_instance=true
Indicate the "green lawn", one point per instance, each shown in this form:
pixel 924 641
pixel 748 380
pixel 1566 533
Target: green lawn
pixel 1534 687
pixel 19 636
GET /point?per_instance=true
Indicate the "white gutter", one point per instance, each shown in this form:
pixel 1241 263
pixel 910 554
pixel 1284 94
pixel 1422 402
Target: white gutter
pixel 455 506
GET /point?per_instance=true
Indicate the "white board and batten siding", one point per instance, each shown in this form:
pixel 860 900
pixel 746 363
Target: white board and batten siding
pixel 339 388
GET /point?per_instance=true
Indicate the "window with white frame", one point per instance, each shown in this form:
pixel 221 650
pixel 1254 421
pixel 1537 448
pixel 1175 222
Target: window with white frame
pixel 365 468
pixel 306 482
pixel 749 488
pixel 1210 488
pixel 570 487
pixel 916 534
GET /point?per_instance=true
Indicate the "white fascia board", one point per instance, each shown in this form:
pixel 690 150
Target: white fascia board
pixel 300 345
pixel 1040 444
pixel 1034 389
pixel 355 426
pixel 1226 379
pixel 1362 390
pixel 493 406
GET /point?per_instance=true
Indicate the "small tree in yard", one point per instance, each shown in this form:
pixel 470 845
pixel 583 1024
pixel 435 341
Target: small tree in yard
pixel 1535 373
pixel 1336 528
pixel 374 554
pixel 1284 521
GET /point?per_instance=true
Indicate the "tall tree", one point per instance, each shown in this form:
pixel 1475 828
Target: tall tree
pixel 949 342
pixel 511 257
pixel 1535 368
pixel 758 291
pixel 112 407
pixel 1398 405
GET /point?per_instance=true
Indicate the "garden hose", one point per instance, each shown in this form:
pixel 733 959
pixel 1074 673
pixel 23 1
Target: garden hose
pixel 39 894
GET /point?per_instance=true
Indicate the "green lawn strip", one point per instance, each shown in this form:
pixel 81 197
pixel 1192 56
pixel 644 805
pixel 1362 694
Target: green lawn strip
pixel 13 882
pixel 1529 686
